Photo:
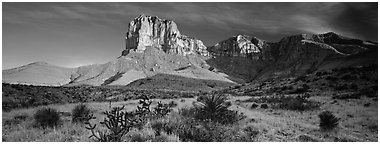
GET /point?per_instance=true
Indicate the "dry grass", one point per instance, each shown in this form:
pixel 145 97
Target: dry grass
pixel 358 123
pixel 25 130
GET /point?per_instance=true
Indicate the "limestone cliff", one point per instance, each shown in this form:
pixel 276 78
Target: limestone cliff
pixel 241 45
pixel 147 31
pixel 250 57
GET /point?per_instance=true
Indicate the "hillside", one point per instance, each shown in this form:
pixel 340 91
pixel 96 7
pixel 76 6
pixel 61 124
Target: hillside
pixel 251 58
pixel 155 48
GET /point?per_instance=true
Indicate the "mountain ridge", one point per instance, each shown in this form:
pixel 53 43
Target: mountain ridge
pixel 155 46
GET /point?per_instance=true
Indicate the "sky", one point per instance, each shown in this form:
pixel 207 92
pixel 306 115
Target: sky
pixel 77 34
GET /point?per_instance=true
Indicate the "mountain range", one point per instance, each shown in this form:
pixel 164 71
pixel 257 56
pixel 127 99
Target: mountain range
pixel 157 54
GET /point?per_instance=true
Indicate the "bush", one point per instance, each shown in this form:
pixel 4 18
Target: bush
pixel 119 122
pixel 162 109
pixel 47 117
pixel 194 130
pixel 264 106
pixel 80 113
pixel 299 103
pixel 254 105
pixel 172 104
pixel 328 121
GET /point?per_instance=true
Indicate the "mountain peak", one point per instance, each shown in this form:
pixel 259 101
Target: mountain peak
pixel 151 31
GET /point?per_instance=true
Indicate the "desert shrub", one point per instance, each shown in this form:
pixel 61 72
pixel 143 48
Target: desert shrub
pixel 254 105
pixel 328 120
pixel 189 112
pixel 142 135
pixel 162 109
pixel 215 108
pixel 251 132
pixel 164 125
pixel 21 117
pixel 195 130
pixel 118 122
pixel 47 117
pixel 264 106
pixel 299 103
pixel 80 113
pixel 172 104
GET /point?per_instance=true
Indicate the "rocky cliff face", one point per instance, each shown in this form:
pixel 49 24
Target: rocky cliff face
pixel 243 46
pixel 257 49
pixel 292 55
pixel 147 31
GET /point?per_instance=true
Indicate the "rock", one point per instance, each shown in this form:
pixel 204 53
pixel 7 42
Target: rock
pixel 240 45
pixel 147 31
pixel 292 55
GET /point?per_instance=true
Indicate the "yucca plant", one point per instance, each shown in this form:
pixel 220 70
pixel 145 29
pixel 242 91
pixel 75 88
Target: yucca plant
pixel 328 120
pixel 213 104
pixel 215 108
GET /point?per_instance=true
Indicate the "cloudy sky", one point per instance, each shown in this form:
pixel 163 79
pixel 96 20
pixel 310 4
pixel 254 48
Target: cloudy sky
pixel 75 34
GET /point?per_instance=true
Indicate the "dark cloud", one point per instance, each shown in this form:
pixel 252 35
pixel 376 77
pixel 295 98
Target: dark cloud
pixel 94 27
pixel 359 19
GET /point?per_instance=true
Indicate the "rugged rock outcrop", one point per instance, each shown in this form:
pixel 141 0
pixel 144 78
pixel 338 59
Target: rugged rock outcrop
pixel 254 48
pixel 240 45
pixel 292 55
pixel 147 31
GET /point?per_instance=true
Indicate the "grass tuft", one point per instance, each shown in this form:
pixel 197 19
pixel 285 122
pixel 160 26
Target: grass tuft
pixel 328 121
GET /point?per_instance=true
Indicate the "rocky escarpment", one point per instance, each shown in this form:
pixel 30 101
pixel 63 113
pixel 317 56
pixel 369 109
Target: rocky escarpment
pixel 153 46
pixel 254 48
pixel 243 46
pixel 292 55
pixel 147 31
